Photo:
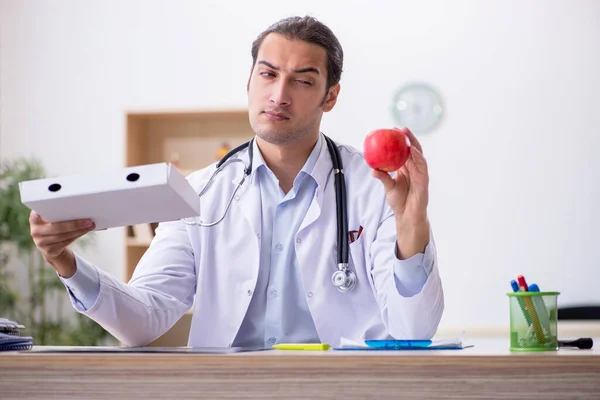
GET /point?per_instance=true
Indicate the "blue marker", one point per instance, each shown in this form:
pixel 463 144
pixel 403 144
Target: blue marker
pixel 515 287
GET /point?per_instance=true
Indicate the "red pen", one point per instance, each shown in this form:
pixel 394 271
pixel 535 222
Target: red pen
pixel 531 310
pixel 522 283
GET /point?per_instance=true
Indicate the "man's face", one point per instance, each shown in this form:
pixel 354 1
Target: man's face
pixel 286 90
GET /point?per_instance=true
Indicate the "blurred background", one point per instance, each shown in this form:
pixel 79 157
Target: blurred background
pixel 514 171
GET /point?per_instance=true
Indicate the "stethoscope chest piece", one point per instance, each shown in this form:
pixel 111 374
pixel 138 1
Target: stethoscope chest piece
pixel 344 280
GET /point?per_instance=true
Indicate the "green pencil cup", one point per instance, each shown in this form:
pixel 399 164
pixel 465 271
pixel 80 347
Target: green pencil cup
pixel 533 321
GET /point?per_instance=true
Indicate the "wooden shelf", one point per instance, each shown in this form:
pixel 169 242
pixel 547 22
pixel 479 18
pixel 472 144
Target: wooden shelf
pixel 191 140
pixel 186 172
pixel 133 242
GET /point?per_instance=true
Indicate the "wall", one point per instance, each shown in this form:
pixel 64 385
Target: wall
pixel 513 168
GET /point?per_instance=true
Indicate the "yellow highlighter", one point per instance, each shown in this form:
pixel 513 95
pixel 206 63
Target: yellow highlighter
pixel 301 346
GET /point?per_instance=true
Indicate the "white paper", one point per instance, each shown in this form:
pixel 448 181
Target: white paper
pixel 347 343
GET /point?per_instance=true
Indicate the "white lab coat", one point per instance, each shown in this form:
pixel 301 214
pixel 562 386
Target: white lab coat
pixel 215 269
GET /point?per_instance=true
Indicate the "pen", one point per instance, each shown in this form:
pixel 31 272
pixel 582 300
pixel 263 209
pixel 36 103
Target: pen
pixel 531 310
pixel 540 308
pixel 301 346
pixel 581 343
pixel 514 285
pixel 522 283
pixel 515 288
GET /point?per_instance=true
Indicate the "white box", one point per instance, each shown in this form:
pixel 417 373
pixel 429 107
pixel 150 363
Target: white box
pixel 133 195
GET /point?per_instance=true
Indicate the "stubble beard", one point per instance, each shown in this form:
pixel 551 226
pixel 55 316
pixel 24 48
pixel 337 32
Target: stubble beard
pixel 281 136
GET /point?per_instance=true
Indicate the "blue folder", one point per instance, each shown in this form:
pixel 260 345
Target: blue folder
pixel 407 345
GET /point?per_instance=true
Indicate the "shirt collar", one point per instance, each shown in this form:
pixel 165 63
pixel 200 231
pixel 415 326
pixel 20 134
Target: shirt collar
pixel 308 168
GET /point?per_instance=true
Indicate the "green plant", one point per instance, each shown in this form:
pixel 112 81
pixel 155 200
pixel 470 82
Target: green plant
pixel 41 312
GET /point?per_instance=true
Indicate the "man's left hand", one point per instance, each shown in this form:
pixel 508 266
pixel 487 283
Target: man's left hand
pixel 407 193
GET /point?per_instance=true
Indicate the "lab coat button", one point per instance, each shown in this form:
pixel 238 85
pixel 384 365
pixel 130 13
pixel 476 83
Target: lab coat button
pixel 249 292
pixel 274 293
pixel 298 240
pixel 279 247
pixel 258 236
pixel 237 197
pixel 272 340
pixel 310 294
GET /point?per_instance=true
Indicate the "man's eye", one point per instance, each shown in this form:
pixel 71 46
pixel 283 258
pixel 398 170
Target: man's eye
pixel 305 83
pixel 267 74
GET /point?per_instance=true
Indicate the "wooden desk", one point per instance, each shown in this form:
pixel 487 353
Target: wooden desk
pixel 487 370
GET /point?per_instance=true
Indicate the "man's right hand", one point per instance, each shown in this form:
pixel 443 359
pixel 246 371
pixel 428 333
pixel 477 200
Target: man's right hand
pixel 53 239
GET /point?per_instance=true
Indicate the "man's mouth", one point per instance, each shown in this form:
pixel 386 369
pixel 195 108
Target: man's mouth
pixel 277 116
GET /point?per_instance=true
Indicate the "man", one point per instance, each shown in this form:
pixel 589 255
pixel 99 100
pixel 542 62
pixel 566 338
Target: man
pixel 263 275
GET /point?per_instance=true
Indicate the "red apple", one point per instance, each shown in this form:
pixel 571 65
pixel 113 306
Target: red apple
pixel 387 149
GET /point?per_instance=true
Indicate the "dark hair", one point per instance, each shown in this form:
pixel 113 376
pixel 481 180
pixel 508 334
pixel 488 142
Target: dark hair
pixel 310 30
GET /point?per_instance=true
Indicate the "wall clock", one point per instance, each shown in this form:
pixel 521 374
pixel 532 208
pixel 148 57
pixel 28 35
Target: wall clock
pixel 419 107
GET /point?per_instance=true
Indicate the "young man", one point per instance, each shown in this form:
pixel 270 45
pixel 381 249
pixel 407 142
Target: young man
pixel 263 275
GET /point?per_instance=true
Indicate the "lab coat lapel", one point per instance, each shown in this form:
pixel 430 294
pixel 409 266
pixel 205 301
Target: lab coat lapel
pixel 247 200
pixel 313 212
pixel 321 174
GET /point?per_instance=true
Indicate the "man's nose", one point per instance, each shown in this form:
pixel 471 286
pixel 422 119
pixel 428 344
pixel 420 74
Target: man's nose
pixel 280 96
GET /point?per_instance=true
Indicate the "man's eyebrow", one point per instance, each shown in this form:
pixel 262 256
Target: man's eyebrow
pixel 298 71
pixel 268 64
pixel 307 69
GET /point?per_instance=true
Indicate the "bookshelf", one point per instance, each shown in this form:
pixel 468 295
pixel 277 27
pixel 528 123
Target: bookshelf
pixel 191 140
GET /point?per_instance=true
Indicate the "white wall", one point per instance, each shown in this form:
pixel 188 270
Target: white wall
pixel 514 176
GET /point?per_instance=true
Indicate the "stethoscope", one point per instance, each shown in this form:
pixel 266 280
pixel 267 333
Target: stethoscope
pixel 343 279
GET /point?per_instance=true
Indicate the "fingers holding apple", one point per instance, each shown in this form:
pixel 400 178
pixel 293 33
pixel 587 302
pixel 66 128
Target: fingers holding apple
pixel 389 150
pixel 417 164
pixel 397 149
pixel 414 142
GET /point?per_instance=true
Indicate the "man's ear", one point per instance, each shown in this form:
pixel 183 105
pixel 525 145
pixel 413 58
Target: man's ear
pixel 249 77
pixel 331 97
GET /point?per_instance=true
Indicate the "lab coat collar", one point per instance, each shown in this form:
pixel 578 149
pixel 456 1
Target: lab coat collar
pixel 323 167
pixel 248 196
pixel 318 165
pixel 320 174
